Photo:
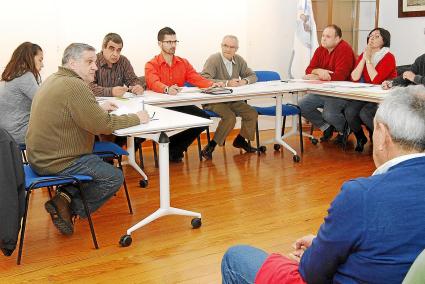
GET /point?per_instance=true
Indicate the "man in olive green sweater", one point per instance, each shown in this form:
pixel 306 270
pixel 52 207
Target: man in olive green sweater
pixel 64 119
pixel 232 69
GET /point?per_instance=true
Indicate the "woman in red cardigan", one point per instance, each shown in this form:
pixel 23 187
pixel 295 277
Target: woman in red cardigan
pixel 375 65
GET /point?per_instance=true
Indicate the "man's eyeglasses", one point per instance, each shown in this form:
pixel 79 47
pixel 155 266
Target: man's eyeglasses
pixel 229 46
pixel 170 42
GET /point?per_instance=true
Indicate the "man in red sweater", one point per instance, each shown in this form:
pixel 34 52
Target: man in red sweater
pixel 166 73
pixel 332 61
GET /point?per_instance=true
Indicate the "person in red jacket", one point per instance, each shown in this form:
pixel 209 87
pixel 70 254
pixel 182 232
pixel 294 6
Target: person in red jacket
pixel 166 73
pixel 374 66
pixel 332 61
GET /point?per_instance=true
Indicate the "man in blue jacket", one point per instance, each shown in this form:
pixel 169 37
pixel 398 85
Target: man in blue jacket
pixel 375 227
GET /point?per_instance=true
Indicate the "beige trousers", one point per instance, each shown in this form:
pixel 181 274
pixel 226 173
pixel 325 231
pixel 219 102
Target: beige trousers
pixel 228 113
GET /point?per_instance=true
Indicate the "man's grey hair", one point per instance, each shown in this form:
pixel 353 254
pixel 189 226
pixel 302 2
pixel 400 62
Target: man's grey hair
pixel 403 112
pixel 75 51
pixel 232 37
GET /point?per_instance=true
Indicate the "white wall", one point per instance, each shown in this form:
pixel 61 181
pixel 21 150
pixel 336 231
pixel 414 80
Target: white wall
pixel 263 28
pixel 407 34
pixel 270 34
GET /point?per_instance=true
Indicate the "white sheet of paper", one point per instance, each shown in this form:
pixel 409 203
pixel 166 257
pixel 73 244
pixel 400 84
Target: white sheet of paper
pixel 346 84
pixel 189 90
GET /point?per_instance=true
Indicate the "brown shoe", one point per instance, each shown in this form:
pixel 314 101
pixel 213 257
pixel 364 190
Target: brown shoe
pixel 60 211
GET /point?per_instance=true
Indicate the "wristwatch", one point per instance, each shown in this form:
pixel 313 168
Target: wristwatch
pixel 368 61
pixel 166 90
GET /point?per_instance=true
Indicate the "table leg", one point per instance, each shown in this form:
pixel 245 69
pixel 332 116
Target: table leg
pixel 132 161
pixel 164 178
pixel 277 139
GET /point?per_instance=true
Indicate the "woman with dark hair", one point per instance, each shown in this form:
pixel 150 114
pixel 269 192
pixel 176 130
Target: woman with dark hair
pixel 19 82
pixel 375 65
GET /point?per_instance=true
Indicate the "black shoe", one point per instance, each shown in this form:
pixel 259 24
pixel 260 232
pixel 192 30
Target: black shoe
pixel 240 142
pixel 207 152
pixel 339 139
pixel 361 141
pixel 60 212
pixel 342 138
pixel 109 161
pixel 7 252
pixel 327 134
pixel 176 156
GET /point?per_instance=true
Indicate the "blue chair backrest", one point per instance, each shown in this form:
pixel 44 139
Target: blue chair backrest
pixel 263 76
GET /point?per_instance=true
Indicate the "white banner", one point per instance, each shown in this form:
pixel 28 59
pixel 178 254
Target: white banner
pixel 305 39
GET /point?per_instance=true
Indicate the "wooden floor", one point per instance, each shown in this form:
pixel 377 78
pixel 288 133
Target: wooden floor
pixel 266 201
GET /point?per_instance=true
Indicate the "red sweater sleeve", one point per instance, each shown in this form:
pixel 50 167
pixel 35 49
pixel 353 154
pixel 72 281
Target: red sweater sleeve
pixel 355 65
pixel 314 62
pixel 386 69
pixel 194 78
pixel 344 63
pixel 153 81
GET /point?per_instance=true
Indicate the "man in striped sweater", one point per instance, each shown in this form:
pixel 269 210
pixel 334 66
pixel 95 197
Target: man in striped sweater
pixel 64 119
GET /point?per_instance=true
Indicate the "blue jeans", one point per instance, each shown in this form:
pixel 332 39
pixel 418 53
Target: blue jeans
pixel 332 111
pixel 107 180
pixel 241 263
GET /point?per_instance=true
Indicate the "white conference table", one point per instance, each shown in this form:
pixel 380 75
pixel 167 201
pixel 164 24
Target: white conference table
pixel 271 89
pixel 348 90
pixel 165 121
pixel 168 121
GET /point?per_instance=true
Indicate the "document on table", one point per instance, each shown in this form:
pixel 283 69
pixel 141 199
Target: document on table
pixel 347 84
pixel 127 108
pixel 189 90
pixel 306 81
pixel 128 95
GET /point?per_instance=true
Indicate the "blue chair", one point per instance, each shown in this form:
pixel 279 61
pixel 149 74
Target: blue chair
pixel 23 149
pixel 287 109
pixel 34 181
pixel 109 150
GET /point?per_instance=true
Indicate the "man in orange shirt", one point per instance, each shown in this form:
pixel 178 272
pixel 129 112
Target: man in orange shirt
pixel 166 73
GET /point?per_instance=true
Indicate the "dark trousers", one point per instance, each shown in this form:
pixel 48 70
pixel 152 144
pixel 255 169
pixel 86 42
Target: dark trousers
pixel 358 112
pixel 182 140
pixel 332 111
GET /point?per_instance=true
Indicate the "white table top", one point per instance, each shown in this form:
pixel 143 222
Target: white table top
pixel 348 90
pixel 163 120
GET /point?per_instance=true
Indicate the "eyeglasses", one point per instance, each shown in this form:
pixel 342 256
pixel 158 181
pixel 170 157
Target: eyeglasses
pixel 170 42
pixel 229 46
pixel 374 36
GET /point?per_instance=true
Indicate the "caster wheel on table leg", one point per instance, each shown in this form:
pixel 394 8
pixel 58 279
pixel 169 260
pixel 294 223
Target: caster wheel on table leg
pixel 143 183
pixel 196 223
pixel 125 241
pixel 296 158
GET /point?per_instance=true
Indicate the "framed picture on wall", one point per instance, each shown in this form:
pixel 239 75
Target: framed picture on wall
pixel 411 8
